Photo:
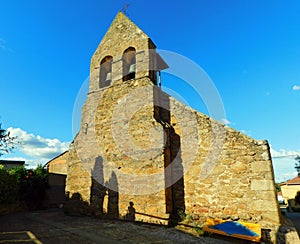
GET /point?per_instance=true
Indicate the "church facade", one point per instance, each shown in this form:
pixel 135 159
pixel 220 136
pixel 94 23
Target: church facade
pixel 142 155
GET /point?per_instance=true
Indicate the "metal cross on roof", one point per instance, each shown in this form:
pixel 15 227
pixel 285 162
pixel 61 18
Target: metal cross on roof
pixel 125 7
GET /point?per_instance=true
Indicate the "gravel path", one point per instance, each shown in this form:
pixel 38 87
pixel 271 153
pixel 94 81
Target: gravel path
pixel 53 226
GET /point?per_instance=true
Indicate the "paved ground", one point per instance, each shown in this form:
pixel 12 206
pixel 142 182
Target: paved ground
pixel 53 226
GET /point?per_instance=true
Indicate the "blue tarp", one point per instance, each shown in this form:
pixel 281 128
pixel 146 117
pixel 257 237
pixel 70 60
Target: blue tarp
pixel 231 228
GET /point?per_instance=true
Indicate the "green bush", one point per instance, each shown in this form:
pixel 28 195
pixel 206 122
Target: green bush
pixel 8 187
pixel 25 186
pixel 33 187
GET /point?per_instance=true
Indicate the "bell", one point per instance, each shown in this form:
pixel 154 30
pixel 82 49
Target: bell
pixel 132 68
pixel 108 76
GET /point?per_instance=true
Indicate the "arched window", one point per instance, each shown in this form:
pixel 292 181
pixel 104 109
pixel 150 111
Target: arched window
pixel 105 71
pixel 129 64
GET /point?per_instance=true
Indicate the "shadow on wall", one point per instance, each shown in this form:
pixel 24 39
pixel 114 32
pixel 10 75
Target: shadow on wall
pixel 130 212
pixel 174 180
pixel 113 196
pixel 98 189
pixel 103 200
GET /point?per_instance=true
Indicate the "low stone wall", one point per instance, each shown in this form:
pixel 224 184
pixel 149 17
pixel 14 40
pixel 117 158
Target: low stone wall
pixel 239 182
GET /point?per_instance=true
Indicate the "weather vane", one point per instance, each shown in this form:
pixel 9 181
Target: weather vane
pixel 125 7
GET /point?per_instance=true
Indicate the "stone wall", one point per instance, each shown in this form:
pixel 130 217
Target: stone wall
pixel 232 178
pixel 79 179
pixel 213 170
pixel 118 156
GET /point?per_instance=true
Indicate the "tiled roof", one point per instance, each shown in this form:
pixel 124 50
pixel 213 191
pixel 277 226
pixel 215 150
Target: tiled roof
pixel 294 181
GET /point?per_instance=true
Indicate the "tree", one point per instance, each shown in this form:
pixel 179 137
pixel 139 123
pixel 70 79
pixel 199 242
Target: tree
pixel 297 165
pixel 7 142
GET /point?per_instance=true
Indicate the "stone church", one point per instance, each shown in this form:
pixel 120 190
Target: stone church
pixel 142 155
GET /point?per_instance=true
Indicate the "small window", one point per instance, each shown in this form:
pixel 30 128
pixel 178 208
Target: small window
pixel 129 64
pixel 105 71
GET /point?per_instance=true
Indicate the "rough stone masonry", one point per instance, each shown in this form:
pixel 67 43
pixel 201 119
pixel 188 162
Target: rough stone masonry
pixel 142 155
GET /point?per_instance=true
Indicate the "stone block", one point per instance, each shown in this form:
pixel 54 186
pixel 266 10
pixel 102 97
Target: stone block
pixel 261 166
pixel 262 185
pixel 271 216
pixel 263 206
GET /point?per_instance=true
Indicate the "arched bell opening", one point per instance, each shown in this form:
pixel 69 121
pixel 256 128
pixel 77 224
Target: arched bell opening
pixel 129 63
pixel 105 71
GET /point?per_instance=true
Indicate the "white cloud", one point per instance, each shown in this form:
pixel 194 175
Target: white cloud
pixel 31 163
pixel 225 121
pixel 246 132
pixel 296 88
pixel 284 164
pixel 4 47
pixel 284 153
pixel 285 176
pixel 15 158
pixel 2 44
pixel 37 149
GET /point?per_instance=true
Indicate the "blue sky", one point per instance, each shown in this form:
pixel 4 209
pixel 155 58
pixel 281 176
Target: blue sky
pixel 250 49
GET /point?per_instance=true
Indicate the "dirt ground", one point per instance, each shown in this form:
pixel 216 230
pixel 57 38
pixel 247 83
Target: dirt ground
pixel 53 226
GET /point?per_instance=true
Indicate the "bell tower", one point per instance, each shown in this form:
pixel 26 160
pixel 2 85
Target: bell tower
pixel 125 53
pixel 119 151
